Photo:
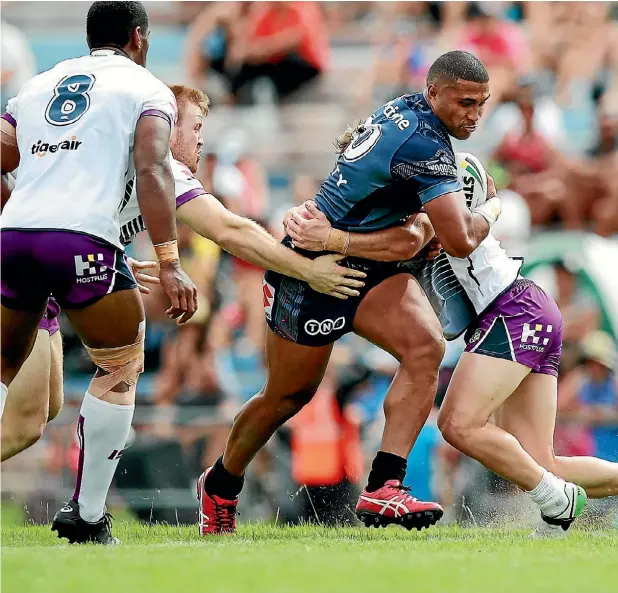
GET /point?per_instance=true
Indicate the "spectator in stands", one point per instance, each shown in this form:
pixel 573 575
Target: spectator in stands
pixel 17 63
pixel 209 40
pixel 605 216
pixel 304 187
pixel 283 42
pixel 594 178
pixel 534 167
pixel 589 395
pixel 181 349
pixel 238 179
pixel 499 43
pixel 579 307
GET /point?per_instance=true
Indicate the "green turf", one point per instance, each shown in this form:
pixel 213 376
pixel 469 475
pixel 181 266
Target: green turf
pixel 268 559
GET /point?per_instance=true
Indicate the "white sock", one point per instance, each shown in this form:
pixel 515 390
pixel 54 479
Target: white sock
pixel 102 431
pixel 549 494
pixel 4 390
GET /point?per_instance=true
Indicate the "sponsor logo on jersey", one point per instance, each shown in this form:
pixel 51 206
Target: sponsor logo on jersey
pixel 89 270
pixel 313 327
pixel 441 165
pixel 41 148
pixel 391 112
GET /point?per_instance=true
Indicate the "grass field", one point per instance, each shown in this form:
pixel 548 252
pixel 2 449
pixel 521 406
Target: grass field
pixel 268 559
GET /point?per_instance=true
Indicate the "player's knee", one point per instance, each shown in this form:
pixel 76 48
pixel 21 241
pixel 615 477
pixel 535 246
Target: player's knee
pixel 293 402
pixel 455 429
pixel 422 352
pixel 33 433
pixel 120 367
pixel 31 424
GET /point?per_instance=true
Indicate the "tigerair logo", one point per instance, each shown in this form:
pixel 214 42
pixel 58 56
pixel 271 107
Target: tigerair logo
pixel 41 148
pixel 87 271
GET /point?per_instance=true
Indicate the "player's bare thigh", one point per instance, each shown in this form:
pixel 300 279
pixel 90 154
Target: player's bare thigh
pixel 397 316
pixel 19 333
pixel 112 322
pixel 478 387
pixel 27 405
pixel 294 370
pixel 530 416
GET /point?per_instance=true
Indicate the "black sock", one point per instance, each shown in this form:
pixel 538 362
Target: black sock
pixel 222 483
pixel 386 466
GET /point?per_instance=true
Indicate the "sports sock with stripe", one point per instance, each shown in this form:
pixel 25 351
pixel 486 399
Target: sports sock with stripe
pixel 102 429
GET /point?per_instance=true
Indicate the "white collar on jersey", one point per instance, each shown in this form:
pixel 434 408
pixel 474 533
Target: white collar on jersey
pixel 108 51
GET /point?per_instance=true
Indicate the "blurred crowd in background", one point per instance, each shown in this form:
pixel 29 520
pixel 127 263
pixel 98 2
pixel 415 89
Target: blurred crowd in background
pixel 285 78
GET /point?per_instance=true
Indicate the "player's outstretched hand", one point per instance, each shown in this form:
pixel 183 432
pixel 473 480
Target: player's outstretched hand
pixel 141 277
pixel 330 278
pixel 308 227
pixel 180 290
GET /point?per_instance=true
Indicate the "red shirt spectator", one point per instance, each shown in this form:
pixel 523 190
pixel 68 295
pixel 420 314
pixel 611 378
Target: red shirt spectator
pixel 288 20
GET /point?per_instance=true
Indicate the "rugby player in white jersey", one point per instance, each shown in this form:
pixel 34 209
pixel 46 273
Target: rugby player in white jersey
pixel 78 132
pixel 509 370
pixel 38 394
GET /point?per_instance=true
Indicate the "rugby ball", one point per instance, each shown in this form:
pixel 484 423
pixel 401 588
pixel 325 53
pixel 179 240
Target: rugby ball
pixel 473 178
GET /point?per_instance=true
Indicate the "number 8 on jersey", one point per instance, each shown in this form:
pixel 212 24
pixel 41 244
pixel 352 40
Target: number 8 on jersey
pixel 70 101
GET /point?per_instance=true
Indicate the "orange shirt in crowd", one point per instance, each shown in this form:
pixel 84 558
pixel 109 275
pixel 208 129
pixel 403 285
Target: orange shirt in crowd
pixel 275 17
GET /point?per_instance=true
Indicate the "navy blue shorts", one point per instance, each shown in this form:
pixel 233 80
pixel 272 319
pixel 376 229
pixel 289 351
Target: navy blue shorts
pixel 298 313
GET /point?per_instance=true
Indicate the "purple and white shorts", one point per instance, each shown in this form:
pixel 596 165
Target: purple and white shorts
pixel 76 268
pixel 523 325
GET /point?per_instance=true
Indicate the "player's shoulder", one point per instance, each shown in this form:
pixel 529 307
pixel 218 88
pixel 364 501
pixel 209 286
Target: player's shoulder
pixel 184 177
pixel 408 121
pixel 428 128
pixel 42 80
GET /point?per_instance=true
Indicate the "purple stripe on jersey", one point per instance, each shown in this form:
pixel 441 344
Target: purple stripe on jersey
pixel 80 465
pixel 157 113
pixel 8 117
pixel 190 195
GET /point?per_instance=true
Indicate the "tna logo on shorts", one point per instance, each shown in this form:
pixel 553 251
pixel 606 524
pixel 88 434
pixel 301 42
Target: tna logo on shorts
pixel 87 270
pixel 42 148
pixel 313 327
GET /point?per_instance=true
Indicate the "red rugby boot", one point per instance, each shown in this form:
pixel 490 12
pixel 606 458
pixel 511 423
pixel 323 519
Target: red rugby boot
pixel 217 516
pixel 392 504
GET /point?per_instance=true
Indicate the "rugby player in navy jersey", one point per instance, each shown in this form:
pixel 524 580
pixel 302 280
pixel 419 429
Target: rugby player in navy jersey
pixel 397 162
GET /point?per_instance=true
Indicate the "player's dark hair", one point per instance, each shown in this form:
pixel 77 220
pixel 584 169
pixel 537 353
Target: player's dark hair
pixel 457 65
pixel 109 24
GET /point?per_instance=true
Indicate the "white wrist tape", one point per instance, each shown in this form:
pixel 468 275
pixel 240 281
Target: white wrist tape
pixel 490 210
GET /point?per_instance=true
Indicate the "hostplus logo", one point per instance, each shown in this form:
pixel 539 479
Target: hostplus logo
pixel 41 148
pixel 89 270
pixel 531 341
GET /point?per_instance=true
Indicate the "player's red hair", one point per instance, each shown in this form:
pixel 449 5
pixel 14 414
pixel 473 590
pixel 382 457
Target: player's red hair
pixel 186 94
